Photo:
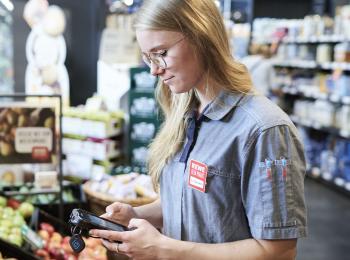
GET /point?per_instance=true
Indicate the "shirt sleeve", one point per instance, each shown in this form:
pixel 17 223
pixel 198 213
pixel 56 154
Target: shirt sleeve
pixel 273 184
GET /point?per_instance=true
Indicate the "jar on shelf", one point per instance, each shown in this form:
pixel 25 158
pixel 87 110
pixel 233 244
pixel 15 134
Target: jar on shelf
pixel 342 52
pixel 324 53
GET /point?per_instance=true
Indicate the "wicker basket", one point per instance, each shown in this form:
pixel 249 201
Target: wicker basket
pixel 98 201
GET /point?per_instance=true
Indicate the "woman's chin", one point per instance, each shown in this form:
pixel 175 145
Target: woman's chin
pixel 176 89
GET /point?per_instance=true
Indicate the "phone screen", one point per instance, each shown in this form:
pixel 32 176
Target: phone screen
pixel 105 223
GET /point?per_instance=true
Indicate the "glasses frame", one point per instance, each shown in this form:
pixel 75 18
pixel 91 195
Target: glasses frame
pixel 157 58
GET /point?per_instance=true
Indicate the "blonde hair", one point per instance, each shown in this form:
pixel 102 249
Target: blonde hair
pixel 201 23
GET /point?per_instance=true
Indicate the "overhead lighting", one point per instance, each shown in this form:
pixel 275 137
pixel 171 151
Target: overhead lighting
pixel 8 4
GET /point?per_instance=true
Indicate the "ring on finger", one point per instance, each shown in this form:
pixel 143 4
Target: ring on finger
pixel 117 248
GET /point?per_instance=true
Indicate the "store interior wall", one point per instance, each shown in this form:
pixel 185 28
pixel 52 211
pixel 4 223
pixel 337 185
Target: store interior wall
pixel 85 22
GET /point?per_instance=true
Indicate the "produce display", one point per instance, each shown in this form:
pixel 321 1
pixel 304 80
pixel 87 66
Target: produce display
pixel 125 186
pixel 47 243
pixel 12 218
pixel 40 199
pixel 56 246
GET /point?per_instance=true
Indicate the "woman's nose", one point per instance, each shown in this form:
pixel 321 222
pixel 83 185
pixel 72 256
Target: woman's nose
pixel 155 69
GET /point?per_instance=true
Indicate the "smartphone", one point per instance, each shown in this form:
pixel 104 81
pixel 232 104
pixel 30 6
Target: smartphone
pixel 86 221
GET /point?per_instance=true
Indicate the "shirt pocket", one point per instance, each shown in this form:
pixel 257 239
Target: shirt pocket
pixel 276 190
pixel 214 172
pixel 222 207
pixel 222 187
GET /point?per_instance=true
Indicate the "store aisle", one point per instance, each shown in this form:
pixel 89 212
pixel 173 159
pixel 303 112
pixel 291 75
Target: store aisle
pixel 329 224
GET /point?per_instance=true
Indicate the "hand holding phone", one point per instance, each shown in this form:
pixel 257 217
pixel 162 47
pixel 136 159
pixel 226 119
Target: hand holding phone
pixel 86 221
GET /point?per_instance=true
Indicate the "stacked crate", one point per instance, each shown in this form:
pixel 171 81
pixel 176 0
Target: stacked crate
pixel 144 117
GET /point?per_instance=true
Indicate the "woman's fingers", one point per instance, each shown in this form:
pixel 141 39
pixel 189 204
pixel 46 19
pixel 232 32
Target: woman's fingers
pixel 137 223
pixel 120 248
pixel 113 208
pixel 109 235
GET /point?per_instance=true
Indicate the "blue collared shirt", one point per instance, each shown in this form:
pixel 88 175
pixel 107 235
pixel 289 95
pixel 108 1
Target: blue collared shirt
pixel 255 181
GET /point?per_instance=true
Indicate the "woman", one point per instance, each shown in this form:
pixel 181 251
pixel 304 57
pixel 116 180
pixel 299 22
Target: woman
pixel 228 162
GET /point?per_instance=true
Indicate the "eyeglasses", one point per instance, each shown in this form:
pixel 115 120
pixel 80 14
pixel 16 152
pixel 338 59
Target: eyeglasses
pixel 157 58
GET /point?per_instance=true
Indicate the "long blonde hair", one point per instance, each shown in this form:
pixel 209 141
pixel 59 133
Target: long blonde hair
pixel 202 24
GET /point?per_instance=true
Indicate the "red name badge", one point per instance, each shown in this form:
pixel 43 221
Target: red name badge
pixel 197 178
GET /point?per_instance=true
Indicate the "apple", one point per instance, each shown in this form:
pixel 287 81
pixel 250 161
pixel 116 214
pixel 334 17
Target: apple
pixel 48 227
pixel 15 239
pixel 44 234
pixel 26 209
pixel 68 256
pixel 67 248
pixel 16 231
pixel 42 253
pixel 92 242
pixel 12 203
pixel 4 229
pixel 7 223
pixel 56 252
pixel 18 220
pixel 7 213
pixel 56 237
pixel 3 202
pixel 65 240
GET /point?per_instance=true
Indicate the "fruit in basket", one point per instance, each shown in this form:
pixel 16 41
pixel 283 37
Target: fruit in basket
pixel 7 213
pixel 16 230
pixel 17 220
pixel 6 223
pixel 56 237
pixel 66 246
pixel 48 227
pixel 26 209
pixel 15 239
pixel 43 254
pixel 3 202
pixel 69 257
pixel 4 229
pixel 12 203
pixel 44 235
pixel 92 242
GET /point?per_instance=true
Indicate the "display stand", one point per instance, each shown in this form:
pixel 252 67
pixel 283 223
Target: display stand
pixel 56 145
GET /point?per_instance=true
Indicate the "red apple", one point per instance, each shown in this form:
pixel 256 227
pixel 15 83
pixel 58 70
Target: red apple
pixel 48 227
pixel 12 203
pixel 42 253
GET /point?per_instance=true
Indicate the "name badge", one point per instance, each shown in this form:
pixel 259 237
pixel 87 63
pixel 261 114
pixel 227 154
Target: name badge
pixel 197 178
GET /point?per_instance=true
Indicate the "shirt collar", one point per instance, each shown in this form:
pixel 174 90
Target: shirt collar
pixel 223 103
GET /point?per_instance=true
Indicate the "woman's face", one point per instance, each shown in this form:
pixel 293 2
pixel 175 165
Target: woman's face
pixel 183 71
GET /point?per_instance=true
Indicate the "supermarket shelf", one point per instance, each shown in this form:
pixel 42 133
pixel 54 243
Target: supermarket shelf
pixel 316 39
pixel 336 183
pixel 293 90
pixel 317 126
pixel 302 64
pixel 37 192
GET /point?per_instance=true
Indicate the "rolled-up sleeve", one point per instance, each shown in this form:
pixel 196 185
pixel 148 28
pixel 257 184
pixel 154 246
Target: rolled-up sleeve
pixel 273 184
